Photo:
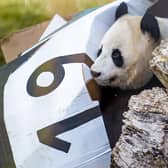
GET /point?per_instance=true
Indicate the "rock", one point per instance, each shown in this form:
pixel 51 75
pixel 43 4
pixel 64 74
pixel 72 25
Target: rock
pixel 159 63
pixel 144 139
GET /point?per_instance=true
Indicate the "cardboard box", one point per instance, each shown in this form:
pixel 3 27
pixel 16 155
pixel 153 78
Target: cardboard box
pixel 15 43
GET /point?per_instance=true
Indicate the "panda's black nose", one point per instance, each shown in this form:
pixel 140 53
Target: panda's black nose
pixel 95 74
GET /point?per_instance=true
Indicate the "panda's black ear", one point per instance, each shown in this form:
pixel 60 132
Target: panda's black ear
pixel 150 25
pixel 121 10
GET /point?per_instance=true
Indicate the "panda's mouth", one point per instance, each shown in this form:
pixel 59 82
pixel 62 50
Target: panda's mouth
pixel 106 82
pixel 112 79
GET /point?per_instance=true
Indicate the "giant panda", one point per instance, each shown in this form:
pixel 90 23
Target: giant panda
pixel 126 49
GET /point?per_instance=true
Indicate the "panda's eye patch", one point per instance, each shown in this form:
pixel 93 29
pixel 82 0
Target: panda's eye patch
pixel 117 58
pixel 99 51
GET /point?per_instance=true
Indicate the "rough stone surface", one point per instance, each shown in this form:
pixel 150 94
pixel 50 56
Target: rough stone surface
pixel 144 139
pixel 159 63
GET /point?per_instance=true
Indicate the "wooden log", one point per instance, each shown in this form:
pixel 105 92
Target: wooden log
pixel 144 139
pixel 159 63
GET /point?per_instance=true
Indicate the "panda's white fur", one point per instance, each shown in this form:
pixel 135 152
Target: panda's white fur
pixel 136 48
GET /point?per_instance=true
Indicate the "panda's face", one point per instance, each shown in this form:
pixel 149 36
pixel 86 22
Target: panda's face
pixel 124 54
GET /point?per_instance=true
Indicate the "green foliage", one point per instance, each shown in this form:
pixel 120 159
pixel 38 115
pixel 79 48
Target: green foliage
pixel 16 14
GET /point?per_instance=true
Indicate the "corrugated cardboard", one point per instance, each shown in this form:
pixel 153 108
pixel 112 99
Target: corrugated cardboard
pixel 18 42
